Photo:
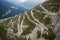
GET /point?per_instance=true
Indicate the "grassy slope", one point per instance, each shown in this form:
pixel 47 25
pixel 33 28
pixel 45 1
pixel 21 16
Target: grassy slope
pixel 6 24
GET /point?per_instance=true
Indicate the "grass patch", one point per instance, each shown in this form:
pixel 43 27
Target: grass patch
pixel 30 27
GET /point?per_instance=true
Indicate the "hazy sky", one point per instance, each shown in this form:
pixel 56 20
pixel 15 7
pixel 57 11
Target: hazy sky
pixel 26 3
pixel 22 1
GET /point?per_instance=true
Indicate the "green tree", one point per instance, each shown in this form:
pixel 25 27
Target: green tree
pixel 22 38
pixel 3 32
pixel 38 34
pixel 29 38
pixel 49 34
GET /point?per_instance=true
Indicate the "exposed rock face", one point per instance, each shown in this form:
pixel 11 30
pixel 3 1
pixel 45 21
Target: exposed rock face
pixel 57 27
pixel 57 30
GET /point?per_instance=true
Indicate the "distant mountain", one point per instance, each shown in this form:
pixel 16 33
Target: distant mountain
pixel 6 6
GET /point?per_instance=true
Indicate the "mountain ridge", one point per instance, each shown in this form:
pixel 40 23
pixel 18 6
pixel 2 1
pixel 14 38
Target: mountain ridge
pixel 34 24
